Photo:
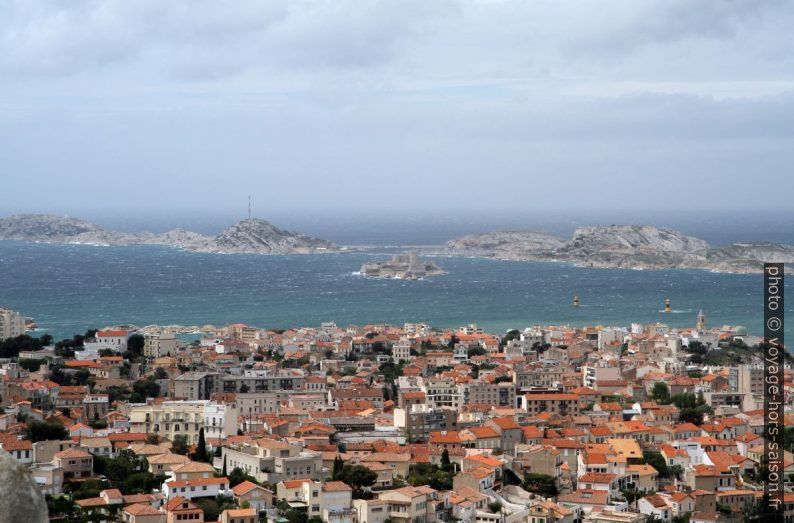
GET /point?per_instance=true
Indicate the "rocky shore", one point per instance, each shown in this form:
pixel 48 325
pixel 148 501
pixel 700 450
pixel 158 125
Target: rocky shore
pixel 251 236
pixel 623 246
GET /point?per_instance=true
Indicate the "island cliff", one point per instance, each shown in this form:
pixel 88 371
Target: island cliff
pixel 252 236
pixel 623 246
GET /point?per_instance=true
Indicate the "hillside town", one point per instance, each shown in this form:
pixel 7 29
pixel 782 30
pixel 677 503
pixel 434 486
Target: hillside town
pixel 392 424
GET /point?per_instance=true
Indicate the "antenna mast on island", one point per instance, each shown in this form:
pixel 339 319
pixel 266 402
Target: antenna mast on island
pixel 249 206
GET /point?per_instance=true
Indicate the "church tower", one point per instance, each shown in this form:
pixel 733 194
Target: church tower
pixel 701 323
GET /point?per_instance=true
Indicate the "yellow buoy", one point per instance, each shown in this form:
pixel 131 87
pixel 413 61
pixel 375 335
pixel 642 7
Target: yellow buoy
pixel 667 305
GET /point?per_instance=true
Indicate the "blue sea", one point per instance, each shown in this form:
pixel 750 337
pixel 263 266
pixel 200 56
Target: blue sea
pixel 70 288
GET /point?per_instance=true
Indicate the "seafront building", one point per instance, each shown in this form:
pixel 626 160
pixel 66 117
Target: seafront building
pixel 546 424
pixel 12 324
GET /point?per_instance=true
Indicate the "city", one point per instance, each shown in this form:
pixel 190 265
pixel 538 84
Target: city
pixel 385 423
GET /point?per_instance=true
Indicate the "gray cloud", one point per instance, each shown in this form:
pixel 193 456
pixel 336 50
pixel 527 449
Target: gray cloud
pixel 408 104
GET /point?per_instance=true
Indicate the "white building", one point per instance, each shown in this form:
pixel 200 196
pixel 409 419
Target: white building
pixel 184 418
pixel 401 350
pixel 196 488
pixel 113 340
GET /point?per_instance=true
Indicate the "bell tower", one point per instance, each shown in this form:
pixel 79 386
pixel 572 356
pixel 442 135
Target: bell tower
pixel 701 323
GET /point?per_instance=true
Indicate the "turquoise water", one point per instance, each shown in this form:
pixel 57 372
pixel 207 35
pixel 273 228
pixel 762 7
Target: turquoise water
pixel 69 288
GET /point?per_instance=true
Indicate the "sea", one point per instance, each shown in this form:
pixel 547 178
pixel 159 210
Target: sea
pixel 67 289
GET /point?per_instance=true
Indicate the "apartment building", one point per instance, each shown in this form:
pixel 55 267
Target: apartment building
pixel 194 386
pixel 591 375
pixel 12 324
pixel 96 406
pixel 273 461
pixel 481 392
pixel 442 392
pixel 264 381
pixel 159 345
pixel 173 418
pixel 419 420
pixel 251 404
pixel 562 404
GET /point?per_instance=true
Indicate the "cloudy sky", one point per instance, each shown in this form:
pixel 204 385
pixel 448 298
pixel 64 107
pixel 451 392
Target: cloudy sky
pixel 399 105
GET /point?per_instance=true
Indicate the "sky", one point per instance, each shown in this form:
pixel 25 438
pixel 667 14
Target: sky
pixel 146 107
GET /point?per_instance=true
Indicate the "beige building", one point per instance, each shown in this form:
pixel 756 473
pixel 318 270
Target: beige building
pixel 481 392
pixel 95 406
pixel 142 513
pixel 76 463
pixel 159 345
pixel 562 404
pixel 238 515
pixel 273 461
pixel 193 386
pixel 406 505
pixel 174 418
pixel 12 324
pixel 257 497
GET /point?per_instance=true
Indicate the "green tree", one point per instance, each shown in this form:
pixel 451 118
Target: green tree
pixel 358 476
pixel 201 449
pixel 495 507
pixel 429 474
pixel 210 507
pixel 542 484
pixel 655 459
pixel 45 430
pixel 446 464
pixel 143 389
pixel 238 476
pixel 390 371
pixel 476 351
pixel 135 345
pixel 631 494
pixel 179 445
pixel 11 347
pixel 339 465
pixel 660 392
pixel 61 506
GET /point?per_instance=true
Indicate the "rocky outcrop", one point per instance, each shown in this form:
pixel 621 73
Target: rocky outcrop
pixel 261 237
pixel 509 244
pixel 56 229
pixel 248 236
pixel 20 497
pixel 401 267
pixel 631 239
pixel 623 246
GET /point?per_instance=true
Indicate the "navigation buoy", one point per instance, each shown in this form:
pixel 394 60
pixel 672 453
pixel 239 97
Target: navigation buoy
pixel 667 305
pixel 575 300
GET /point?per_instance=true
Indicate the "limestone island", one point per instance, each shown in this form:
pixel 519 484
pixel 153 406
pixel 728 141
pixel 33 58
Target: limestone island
pixel 401 267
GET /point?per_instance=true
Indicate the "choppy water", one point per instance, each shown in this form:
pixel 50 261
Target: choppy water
pixel 69 288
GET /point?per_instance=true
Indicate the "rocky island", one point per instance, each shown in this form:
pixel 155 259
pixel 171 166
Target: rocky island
pixel 623 246
pixel 401 266
pixel 251 236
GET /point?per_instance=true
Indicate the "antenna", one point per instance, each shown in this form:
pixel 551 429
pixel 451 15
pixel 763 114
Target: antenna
pixel 249 206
